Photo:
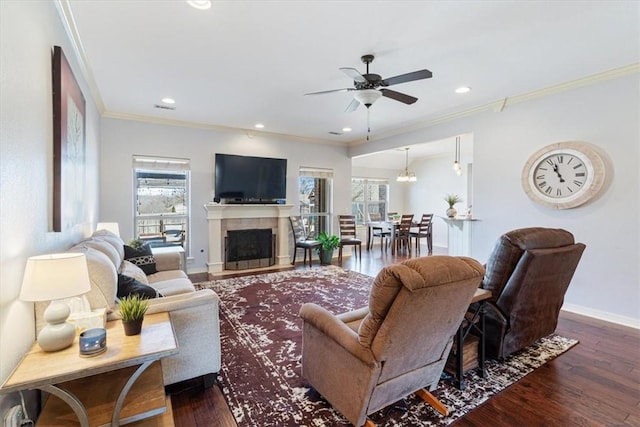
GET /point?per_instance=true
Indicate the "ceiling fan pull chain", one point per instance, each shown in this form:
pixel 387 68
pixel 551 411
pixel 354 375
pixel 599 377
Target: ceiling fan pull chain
pixel 368 123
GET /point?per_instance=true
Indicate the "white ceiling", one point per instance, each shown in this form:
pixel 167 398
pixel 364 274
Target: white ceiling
pixel 243 62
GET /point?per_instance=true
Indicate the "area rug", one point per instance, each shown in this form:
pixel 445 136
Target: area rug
pixel 261 337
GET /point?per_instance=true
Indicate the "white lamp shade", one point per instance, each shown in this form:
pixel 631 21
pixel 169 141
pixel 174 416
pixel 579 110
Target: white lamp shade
pixel 367 97
pixel 109 226
pixel 55 276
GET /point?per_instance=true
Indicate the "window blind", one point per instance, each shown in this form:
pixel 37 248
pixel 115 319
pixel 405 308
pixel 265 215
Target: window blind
pixel 160 163
pixel 316 172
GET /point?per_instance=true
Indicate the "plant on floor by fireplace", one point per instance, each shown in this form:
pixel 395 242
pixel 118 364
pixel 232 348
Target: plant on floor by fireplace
pixel 330 242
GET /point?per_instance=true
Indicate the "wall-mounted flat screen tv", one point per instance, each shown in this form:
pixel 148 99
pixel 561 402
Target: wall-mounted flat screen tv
pixel 246 179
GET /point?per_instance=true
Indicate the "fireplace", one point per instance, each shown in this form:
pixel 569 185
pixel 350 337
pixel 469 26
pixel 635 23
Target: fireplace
pixel 254 248
pixel 223 218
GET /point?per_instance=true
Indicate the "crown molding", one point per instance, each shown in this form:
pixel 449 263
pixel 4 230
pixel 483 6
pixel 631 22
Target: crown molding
pixel 69 24
pixel 250 133
pixel 500 105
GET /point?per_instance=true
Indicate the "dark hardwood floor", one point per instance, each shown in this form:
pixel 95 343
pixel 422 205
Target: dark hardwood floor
pixel 596 383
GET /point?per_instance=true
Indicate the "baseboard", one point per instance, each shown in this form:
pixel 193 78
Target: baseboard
pixel 602 315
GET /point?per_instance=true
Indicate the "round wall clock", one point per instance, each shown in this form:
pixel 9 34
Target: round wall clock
pixel 563 175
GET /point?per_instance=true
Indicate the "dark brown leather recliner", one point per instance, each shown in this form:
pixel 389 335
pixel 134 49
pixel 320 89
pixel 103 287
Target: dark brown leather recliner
pixel 528 274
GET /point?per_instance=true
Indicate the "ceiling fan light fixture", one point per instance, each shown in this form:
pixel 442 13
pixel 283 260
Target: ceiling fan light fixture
pixel 367 97
pixel 200 4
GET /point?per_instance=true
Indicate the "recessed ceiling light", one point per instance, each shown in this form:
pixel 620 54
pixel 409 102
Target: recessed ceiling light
pixel 168 100
pixel 463 89
pixel 200 4
pixel 258 126
pixel 346 129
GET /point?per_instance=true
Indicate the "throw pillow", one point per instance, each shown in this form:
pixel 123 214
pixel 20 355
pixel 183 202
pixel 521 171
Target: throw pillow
pixel 130 269
pixel 142 257
pixel 128 285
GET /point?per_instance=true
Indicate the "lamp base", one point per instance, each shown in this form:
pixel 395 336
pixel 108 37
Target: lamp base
pixel 58 334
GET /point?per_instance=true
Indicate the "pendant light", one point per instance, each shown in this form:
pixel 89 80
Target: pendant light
pixel 456 163
pixel 407 176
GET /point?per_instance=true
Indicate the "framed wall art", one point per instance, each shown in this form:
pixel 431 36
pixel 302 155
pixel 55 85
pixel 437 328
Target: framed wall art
pixel 69 150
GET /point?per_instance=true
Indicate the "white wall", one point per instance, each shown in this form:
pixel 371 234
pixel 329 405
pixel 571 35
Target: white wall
pixel 436 179
pixel 606 113
pixel 122 139
pixel 29 30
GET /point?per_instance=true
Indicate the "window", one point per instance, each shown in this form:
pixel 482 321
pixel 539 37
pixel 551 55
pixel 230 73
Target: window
pixel 161 200
pixel 314 195
pixel 369 195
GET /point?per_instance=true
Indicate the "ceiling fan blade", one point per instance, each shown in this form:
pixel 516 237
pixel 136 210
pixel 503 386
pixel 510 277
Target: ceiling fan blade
pixel 331 91
pixel 409 77
pixel 354 74
pixel 353 106
pixel 407 99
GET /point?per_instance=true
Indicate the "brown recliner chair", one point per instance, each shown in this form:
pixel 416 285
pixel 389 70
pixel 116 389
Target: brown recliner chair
pixel 528 274
pixel 365 360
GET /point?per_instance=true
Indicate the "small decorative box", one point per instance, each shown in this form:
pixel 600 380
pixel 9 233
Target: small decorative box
pixel 93 342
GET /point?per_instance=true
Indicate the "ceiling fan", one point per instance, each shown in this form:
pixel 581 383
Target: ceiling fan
pixel 366 86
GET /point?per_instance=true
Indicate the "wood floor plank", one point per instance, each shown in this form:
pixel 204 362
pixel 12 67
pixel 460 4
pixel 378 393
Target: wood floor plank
pixel 596 383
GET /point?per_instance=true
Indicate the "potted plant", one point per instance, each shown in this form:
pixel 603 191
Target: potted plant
pixel 132 309
pixel 451 200
pixel 329 242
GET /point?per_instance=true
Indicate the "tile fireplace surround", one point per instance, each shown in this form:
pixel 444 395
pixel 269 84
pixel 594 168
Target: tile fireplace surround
pixel 223 217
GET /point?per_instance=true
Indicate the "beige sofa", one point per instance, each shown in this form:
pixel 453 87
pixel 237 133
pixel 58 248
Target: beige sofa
pixel 194 314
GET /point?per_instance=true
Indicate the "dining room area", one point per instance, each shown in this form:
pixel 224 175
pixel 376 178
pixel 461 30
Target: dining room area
pixel 399 198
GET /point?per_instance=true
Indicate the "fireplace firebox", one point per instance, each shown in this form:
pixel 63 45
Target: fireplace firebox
pixel 245 249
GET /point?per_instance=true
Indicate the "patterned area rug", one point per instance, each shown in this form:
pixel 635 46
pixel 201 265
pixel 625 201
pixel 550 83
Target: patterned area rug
pixel 261 337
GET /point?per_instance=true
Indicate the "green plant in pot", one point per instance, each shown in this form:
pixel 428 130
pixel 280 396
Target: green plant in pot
pixel 330 242
pixel 132 309
pixel 451 200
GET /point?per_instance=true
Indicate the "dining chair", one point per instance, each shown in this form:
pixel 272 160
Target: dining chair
pixel 403 233
pixel 302 240
pixel 425 228
pixel 348 235
pixel 378 231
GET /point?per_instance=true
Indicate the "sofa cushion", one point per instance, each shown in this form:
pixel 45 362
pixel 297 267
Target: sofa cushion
pixel 127 285
pixel 103 276
pixel 104 247
pixel 130 269
pixel 142 257
pixel 112 238
pixel 171 282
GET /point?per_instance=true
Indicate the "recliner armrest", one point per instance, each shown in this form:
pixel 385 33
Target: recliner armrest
pixel 334 328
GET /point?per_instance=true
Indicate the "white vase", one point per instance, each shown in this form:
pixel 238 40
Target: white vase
pixel 452 212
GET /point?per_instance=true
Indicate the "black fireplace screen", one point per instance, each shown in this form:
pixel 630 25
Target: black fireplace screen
pixel 249 249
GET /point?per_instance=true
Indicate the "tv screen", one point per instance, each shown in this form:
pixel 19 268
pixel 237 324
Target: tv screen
pixel 250 179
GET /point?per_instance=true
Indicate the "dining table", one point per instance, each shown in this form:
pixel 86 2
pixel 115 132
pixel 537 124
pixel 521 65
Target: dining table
pixel 392 225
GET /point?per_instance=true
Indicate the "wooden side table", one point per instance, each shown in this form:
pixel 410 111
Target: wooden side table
pixel 120 386
pixel 473 321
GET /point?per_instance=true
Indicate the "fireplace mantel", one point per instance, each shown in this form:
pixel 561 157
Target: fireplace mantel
pixel 245 217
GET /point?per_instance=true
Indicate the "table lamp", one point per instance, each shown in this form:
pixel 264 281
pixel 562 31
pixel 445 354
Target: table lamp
pixel 51 278
pixel 109 226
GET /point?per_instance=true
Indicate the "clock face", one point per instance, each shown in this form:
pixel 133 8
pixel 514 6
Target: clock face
pixel 563 175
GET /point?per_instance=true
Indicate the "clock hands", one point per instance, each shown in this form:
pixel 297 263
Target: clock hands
pixel 555 169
